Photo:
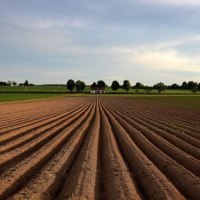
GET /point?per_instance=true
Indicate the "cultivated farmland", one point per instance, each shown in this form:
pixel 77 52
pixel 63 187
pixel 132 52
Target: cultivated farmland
pixel 99 148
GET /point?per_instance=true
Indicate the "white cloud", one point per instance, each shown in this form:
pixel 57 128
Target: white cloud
pixel 163 56
pixel 59 23
pixel 169 60
pixel 45 23
pixel 174 2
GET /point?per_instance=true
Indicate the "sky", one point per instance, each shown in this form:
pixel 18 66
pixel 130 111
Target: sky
pixel 147 41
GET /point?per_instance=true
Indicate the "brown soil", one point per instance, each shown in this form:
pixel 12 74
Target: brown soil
pixel 98 148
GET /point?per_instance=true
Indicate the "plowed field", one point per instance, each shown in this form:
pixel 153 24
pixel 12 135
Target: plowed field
pixel 98 148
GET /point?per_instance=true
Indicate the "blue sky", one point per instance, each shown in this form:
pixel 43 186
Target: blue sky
pixel 48 41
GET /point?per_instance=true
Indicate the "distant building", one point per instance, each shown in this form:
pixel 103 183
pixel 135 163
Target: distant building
pixel 97 90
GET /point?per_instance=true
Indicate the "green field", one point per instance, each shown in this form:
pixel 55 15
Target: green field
pixel 62 89
pixel 55 89
pixel 4 97
pixel 14 93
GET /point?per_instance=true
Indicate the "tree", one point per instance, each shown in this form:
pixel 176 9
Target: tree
pixel 80 86
pixel 70 84
pixel 115 85
pixel 195 88
pixel 101 84
pixel 9 83
pixel 191 85
pixel 26 83
pixel 175 86
pixel 126 85
pixel 3 83
pixel 199 86
pixel 160 87
pixel 93 85
pixel 14 83
pixel 139 85
pixel 184 85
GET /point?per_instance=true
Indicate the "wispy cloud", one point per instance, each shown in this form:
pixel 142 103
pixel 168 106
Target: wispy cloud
pixel 164 56
pixel 175 2
pixel 137 40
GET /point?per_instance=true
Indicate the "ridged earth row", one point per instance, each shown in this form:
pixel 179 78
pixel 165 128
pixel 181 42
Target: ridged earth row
pixel 98 148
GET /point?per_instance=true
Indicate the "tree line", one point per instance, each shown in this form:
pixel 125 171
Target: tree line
pixel 14 83
pixel 80 86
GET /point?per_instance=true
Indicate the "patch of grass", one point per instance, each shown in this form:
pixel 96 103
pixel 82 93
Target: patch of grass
pixel 43 89
pixel 4 97
pixel 33 89
pixel 63 89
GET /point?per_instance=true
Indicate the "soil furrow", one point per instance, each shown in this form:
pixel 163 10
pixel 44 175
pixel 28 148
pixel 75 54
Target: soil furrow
pixel 80 182
pixel 26 150
pixel 188 184
pixel 32 133
pixel 195 152
pixel 34 121
pixel 172 151
pixel 163 124
pixel 99 147
pixel 46 182
pixel 13 179
pixel 114 168
pixel 152 112
pixel 153 183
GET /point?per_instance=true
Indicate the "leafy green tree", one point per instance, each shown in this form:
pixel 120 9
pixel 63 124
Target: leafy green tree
pixel 9 83
pixel 80 86
pixel 139 85
pixel 14 83
pixel 160 87
pixel 184 85
pixel 195 88
pixel 93 85
pixel 3 83
pixel 199 86
pixel 26 83
pixel 115 85
pixel 191 85
pixel 126 85
pixel 70 84
pixel 174 86
pixel 101 84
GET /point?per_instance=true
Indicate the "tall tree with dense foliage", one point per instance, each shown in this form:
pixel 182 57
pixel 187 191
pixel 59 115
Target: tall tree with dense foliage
pixel 26 83
pixel 195 87
pixel 126 85
pixel 3 83
pixel 93 85
pixel 199 86
pixel 14 83
pixel 70 84
pixel 115 85
pixel 174 86
pixel 101 84
pixel 80 86
pixel 160 87
pixel 139 85
pixel 184 85
pixel 191 85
